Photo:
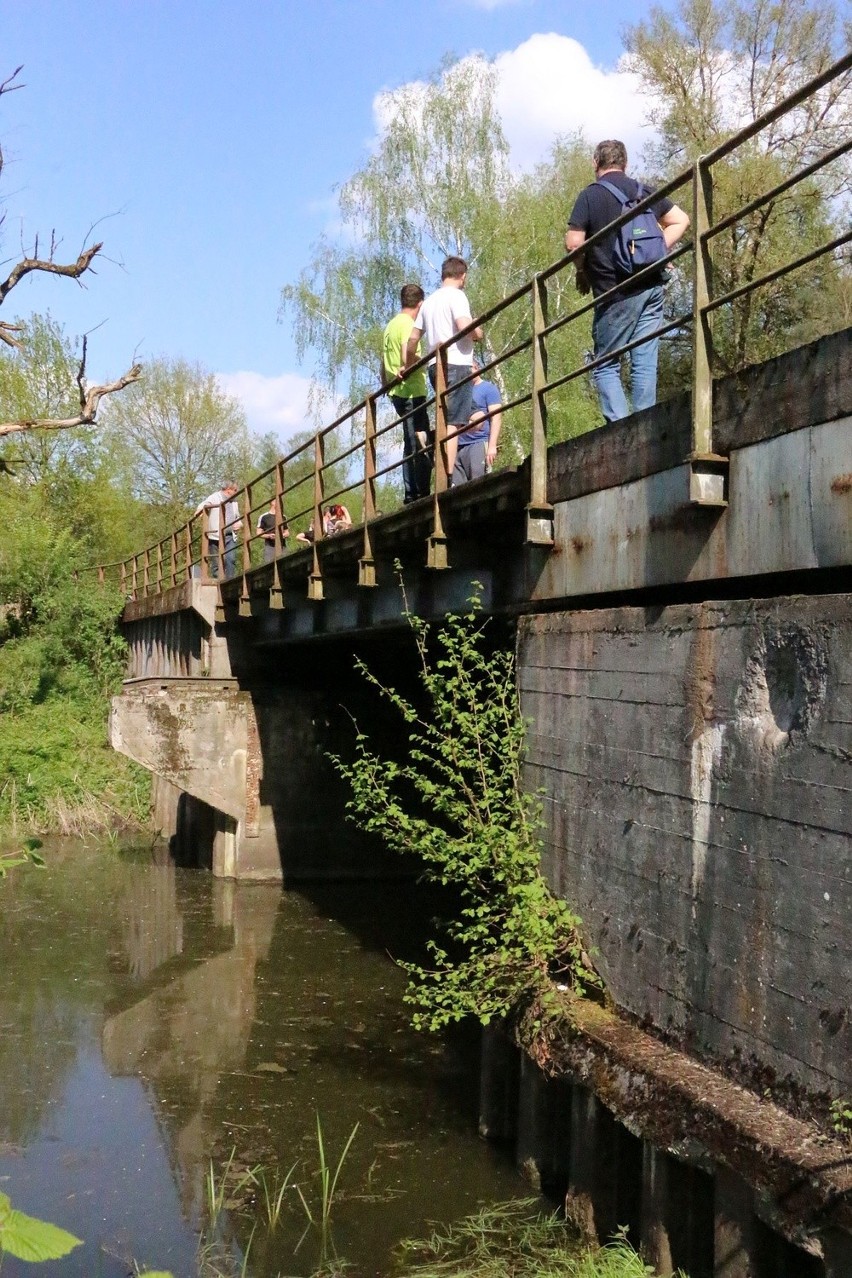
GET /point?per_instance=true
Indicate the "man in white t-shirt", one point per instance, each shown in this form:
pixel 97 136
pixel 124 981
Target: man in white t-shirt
pixel 223 496
pixel 443 314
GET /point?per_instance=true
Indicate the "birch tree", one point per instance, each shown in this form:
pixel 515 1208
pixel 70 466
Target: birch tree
pixel 711 67
pixel 438 183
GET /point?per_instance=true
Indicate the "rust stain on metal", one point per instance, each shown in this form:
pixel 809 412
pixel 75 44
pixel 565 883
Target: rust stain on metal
pixel 578 545
pixel 842 484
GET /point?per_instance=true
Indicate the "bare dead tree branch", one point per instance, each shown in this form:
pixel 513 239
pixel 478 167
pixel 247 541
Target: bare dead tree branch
pixel 6 331
pixel 7 85
pixel 90 398
pixel 73 270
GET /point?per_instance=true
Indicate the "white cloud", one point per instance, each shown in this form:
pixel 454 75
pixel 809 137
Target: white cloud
pixel 278 404
pixel 549 85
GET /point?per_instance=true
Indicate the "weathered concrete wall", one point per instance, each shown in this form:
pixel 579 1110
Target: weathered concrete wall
pixel 199 736
pixel 245 785
pixel 697 766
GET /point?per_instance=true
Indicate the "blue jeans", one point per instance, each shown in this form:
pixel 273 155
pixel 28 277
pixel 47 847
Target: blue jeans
pixel 634 315
pixel 459 399
pixel 416 463
pixel 229 556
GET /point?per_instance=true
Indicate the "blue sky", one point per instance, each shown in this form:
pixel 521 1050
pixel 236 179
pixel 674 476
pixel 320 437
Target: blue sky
pixel 210 136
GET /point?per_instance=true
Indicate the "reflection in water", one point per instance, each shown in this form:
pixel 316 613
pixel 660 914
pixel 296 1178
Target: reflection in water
pixel 154 1018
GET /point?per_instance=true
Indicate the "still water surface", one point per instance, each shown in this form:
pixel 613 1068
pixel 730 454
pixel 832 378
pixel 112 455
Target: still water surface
pixel 152 1018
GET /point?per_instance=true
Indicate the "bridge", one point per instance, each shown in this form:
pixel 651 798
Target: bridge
pixel 676 586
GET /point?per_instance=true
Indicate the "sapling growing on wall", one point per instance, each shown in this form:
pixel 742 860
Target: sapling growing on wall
pixel 454 798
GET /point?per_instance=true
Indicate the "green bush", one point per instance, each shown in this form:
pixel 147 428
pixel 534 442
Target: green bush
pixel 456 801
pixel 61 655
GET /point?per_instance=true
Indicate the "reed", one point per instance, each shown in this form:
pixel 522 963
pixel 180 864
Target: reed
pixel 328 1179
pixel 274 1194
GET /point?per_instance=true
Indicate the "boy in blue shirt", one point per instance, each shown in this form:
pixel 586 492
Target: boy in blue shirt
pixel 477 447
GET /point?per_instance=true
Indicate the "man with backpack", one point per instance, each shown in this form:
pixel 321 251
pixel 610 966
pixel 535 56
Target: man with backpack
pixel 636 309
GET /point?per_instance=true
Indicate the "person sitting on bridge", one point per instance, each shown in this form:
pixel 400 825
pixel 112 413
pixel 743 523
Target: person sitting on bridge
pixel 477 447
pixel 266 530
pixel 335 519
pixel 635 310
pixel 212 505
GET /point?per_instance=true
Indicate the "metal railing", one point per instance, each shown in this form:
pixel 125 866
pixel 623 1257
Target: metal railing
pixel 348 458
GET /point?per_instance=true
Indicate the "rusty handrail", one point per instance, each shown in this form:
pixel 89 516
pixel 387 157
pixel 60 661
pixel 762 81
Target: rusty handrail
pixel 186 551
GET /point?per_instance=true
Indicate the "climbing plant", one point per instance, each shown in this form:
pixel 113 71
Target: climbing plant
pixel 455 799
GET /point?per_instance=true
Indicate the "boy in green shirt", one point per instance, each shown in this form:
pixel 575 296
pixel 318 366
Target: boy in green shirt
pixel 408 396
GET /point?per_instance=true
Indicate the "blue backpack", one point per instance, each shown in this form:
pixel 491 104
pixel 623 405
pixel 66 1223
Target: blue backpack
pixel 639 242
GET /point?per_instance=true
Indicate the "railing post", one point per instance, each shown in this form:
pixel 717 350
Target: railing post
pixel 315 590
pixel 245 599
pixel 122 579
pixel 708 471
pixel 205 545
pixel 146 570
pixel 436 551
pixel 159 577
pixel 539 512
pixel 220 545
pixel 187 545
pixel 367 564
pixel 173 555
pixel 276 590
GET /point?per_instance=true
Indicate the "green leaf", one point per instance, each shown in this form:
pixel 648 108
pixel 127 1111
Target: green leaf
pixel 29 1238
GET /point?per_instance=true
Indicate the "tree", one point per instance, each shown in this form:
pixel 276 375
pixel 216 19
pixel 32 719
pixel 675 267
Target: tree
pixel 712 67
pixel 82 410
pixel 181 435
pixel 40 378
pixel 437 184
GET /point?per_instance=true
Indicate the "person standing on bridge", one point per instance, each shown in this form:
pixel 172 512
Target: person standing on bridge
pixel 408 395
pixel 444 313
pixel 213 504
pixel 635 310
pixel 266 526
pixel 477 447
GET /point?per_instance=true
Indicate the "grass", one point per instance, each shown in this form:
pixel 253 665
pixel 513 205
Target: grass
pixel 60 776
pixel 328 1179
pixel 274 1194
pixel 513 1240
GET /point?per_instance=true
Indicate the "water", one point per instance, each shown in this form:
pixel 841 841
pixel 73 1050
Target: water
pixel 153 1019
